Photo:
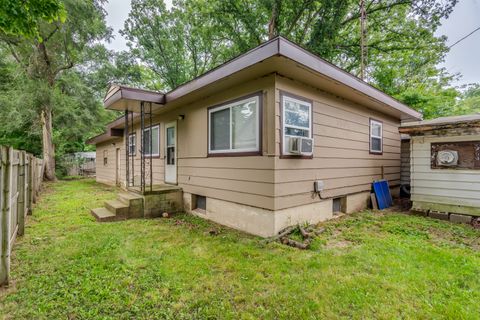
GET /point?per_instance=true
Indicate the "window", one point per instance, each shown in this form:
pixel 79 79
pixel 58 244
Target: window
pixel 105 157
pixel 235 127
pixel 376 136
pixel 199 203
pixel 151 138
pixel 131 144
pixel 296 118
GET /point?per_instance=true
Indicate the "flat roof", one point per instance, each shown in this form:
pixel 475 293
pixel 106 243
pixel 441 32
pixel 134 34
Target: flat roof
pixel 470 120
pixel 123 97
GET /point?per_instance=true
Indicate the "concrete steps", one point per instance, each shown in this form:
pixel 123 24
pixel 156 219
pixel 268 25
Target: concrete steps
pixel 133 204
pixel 104 215
pixel 119 208
pixel 126 206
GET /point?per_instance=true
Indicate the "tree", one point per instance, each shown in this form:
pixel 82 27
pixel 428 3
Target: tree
pixel 59 48
pixel 469 101
pixel 78 111
pixel 20 18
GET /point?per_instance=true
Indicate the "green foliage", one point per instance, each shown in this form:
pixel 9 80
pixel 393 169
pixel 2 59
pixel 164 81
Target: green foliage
pixel 366 265
pixel 469 101
pixel 44 74
pixel 21 18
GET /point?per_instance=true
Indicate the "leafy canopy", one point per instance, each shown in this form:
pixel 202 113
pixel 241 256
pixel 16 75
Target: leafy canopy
pixel 20 18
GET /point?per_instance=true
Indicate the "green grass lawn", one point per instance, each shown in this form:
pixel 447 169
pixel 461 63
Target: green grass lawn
pixel 366 265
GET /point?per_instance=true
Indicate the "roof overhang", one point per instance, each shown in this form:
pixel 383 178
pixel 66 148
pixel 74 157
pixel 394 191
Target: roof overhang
pixel 123 98
pixel 275 56
pixel 445 123
pixel 110 134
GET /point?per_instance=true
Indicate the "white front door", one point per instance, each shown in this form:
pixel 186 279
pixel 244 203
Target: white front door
pixel 171 152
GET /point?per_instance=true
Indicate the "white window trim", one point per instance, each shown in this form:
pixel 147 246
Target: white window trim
pixel 134 135
pixel 372 135
pixel 229 106
pixel 148 129
pixel 285 98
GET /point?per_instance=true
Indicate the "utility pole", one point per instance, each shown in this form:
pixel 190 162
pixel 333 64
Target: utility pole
pixel 363 40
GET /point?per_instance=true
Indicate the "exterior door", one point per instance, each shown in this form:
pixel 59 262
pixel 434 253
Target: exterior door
pixel 171 152
pixel 117 166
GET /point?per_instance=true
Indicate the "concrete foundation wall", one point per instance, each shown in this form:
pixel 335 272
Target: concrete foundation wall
pixel 258 221
pixel 357 202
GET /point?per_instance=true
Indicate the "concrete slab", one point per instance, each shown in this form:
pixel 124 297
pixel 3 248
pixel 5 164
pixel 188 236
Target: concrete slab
pixel 438 215
pixel 460 218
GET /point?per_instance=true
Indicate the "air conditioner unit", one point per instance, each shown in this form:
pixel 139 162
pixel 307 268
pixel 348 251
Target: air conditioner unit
pixel 300 146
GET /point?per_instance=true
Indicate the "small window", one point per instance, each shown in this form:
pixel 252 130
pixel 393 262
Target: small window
pixel 132 144
pixel 297 120
pixel 376 136
pixel 200 203
pixel 105 157
pixel 151 139
pixel 235 127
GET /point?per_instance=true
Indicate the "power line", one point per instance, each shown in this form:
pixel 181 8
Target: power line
pixel 468 35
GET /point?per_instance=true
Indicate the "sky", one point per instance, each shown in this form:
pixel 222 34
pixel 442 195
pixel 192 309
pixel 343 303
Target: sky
pixel 463 58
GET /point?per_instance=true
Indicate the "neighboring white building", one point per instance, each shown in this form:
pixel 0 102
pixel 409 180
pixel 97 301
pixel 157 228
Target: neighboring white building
pixel 445 165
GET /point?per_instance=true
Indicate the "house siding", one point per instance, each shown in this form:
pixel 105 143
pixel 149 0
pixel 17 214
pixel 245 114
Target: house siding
pixel 433 187
pixel 341 155
pixel 246 180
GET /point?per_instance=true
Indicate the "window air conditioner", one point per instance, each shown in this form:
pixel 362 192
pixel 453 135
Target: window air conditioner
pixel 300 146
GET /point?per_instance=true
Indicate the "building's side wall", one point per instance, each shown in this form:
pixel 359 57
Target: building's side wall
pixel 105 173
pixel 448 190
pixel 341 155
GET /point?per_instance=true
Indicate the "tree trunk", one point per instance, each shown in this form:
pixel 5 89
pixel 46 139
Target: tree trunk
pixel 47 142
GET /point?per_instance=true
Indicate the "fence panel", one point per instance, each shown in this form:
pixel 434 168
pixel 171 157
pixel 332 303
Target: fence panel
pixel 20 180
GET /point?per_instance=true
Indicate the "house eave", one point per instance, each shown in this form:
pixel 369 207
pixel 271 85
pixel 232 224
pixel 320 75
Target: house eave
pixel 123 98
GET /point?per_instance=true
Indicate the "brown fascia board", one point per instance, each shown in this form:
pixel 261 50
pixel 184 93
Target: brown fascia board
pixel 278 46
pixel 109 134
pixel 128 93
pixel 254 56
pixel 294 52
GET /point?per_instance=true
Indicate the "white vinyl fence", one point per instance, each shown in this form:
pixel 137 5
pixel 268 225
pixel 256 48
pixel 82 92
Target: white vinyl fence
pixel 20 180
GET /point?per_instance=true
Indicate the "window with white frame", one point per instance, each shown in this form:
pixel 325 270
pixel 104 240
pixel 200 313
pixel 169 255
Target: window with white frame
pixel 297 120
pixel 151 139
pixel 235 127
pixel 132 144
pixel 376 136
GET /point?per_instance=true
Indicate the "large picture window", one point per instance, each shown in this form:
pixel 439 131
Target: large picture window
pixel 376 136
pixel 235 127
pixel 296 120
pixel 151 139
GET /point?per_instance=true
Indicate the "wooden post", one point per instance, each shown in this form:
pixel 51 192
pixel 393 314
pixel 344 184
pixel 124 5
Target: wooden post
pixel 34 180
pixel 5 215
pixel 21 194
pixel 30 184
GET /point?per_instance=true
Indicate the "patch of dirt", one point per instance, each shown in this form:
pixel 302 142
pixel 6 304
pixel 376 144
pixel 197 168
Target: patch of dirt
pixel 8 289
pixel 338 244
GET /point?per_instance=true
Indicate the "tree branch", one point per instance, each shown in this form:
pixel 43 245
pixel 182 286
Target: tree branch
pixel 379 8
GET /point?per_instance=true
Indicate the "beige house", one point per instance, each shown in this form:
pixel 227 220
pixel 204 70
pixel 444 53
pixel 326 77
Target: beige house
pixel 274 137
